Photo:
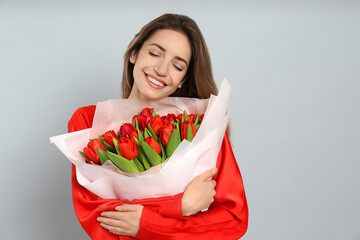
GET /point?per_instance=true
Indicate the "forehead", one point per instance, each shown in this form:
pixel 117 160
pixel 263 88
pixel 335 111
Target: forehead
pixel 174 42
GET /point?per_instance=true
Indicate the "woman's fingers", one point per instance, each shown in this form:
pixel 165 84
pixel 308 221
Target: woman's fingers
pixel 124 221
pixel 128 208
pixel 207 174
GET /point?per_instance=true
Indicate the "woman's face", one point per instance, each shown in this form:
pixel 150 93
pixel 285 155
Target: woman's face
pixel 161 64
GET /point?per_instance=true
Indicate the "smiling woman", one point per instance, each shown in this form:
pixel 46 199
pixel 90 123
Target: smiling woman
pixel 168 57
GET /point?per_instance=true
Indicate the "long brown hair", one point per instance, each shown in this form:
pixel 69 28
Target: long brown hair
pixel 199 81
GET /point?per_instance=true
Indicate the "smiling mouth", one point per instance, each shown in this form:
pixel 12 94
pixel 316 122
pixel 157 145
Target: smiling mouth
pixel 155 83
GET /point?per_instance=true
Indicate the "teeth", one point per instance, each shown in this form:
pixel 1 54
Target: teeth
pixel 155 82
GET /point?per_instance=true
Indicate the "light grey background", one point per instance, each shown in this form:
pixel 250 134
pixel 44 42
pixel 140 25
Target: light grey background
pixel 294 71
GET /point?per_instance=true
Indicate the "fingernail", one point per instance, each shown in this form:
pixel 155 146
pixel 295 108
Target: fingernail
pixel 98 219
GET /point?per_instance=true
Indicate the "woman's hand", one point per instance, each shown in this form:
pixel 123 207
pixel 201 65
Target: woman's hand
pixel 199 194
pixel 124 221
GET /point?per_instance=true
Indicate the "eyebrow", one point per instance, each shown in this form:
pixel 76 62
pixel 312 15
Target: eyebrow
pixel 163 49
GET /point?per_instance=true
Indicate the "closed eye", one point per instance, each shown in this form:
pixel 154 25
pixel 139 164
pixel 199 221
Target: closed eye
pixel 178 68
pixel 154 54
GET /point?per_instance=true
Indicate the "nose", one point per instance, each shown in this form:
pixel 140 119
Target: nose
pixel 161 68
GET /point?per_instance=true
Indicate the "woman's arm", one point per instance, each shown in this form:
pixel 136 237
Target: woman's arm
pixel 227 217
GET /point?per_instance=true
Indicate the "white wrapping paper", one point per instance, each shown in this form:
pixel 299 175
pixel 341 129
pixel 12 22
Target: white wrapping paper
pixel 166 179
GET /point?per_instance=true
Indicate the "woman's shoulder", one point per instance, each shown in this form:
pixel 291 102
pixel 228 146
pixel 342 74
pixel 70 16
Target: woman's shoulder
pixel 82 118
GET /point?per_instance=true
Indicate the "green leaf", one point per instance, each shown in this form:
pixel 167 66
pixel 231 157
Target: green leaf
pixel 136 124
pixel 138 165
pixel 103 156
pixel 123 163
pixel 197 127
pixel 186 116
pixel 140 135
pixel 189 134
pixel 152 133
pixel 108 146
pixel 146 133
pixel 150 154
pixel 82 154
pixel 163 154
pixel 154 113
pixel 141 156
pixel 116 143
pixel 197 119
pixel 174 141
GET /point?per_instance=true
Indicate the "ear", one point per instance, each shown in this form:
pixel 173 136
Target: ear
pixel 133 57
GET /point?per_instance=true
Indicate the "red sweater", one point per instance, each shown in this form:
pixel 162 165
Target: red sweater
pixel 227 217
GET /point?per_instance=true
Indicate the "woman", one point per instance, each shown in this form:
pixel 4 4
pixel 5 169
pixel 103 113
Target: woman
pixel 168 57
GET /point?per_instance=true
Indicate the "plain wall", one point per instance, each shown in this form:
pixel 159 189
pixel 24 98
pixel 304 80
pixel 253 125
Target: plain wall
pixel 295 106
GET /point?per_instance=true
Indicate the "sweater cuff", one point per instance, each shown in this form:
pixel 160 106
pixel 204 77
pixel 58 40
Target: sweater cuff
pixel 172 207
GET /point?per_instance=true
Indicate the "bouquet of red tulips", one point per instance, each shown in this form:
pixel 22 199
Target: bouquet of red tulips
pixel 121 138
pixel 146 142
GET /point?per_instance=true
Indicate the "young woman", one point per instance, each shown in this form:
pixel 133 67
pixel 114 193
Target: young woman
pixel 168 57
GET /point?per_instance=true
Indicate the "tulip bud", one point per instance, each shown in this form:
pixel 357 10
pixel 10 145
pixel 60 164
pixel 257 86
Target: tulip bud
pixel 128 148
pixel 168 118
pixel 147 112
pixel 192 117
pixel 128 130
pixel 186 127
pixel 91 152
pixel 165 133
pixel 156 123
pixel 109 136
pixel 153 144
pixel 181 117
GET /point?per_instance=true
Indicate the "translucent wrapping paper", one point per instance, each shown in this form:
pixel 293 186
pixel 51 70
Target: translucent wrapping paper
pixel 166 179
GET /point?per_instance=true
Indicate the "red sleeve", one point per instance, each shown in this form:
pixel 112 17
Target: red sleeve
pixel 162 217
pixel 227 217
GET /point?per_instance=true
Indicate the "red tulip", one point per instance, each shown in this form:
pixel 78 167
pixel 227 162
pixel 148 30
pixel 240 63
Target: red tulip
pixel 184 129
pixel 165 133
pixel 128 148
pixel 142 121
pixel 156 123
pixel 168 118
pixel 201 118
pixel 108 136
pixel 192 117
pixel 147 112
pixel 180 116
pixel 128 130
pixel 91 152
pixel 153 144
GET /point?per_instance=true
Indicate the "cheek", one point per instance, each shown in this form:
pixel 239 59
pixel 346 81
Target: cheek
pixel 178 77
